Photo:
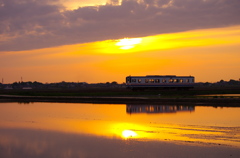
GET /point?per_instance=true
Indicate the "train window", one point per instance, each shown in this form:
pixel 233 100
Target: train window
pixel 139 80
pixel 151 80
pixel 133 80
pixel 157 80
pixel 164 81
pixel 128 80
pixel 187 80
pixel 181 80
pixel 170 80
pixel 146 80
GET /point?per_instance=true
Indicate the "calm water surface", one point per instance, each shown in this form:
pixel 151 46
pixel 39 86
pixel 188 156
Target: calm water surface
pixel 104 130
pixel 223 95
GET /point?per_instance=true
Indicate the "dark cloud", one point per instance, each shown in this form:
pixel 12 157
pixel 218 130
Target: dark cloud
pixel 31 24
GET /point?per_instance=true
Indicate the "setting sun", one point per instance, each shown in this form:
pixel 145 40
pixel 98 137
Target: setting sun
pixel 127 43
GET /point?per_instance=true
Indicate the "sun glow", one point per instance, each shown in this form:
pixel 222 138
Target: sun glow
pixel 127 43
pixel 75 4
pixel 199 52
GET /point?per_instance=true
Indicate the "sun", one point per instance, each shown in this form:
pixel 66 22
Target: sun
pixel 128 43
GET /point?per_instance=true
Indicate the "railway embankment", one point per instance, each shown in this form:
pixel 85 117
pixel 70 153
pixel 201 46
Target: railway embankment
pixel 219 101
pixel 196 96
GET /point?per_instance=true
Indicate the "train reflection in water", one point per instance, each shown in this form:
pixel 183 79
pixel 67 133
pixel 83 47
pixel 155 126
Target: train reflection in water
pixel 153 109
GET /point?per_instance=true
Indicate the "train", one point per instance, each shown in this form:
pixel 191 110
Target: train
pixel 159 82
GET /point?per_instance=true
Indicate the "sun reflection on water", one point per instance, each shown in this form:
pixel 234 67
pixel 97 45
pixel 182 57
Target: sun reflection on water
pixel 129 134
pixel 165 123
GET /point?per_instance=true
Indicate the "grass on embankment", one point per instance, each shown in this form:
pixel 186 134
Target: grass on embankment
pixel 122 92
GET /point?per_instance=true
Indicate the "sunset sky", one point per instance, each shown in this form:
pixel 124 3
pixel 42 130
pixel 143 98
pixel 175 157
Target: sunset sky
pixel 106 40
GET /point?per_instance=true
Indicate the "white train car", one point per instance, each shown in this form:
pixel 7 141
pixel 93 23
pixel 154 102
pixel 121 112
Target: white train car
pixel 154 82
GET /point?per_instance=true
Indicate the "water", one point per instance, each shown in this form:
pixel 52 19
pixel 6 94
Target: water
pixel 222 95
pixel 104 130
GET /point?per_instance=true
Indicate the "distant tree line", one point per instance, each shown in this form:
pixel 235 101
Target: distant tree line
pixel 114 84
pixel 220 83
pixel 58 85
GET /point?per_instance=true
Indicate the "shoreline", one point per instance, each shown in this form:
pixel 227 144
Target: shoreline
pixel 228 102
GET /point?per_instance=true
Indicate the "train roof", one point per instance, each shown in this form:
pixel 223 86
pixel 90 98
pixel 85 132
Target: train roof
pixel 156 76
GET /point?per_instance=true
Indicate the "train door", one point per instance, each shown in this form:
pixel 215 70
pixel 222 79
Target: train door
pixel 128 80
